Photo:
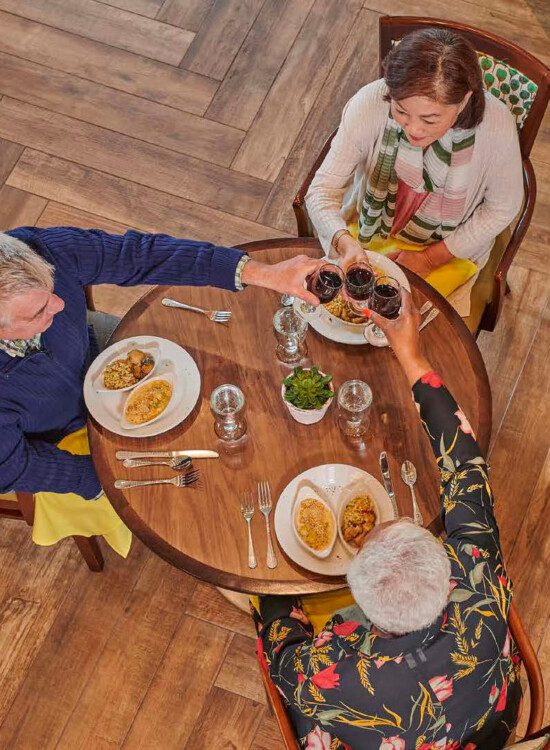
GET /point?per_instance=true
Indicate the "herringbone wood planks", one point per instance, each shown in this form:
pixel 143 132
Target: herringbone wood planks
pixel 200 118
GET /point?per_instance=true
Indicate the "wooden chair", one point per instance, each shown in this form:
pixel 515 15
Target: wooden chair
pixel 528 657
pixel 21 507
pixel 491 285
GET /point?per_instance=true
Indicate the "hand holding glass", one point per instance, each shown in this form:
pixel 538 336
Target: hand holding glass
pixel 324 283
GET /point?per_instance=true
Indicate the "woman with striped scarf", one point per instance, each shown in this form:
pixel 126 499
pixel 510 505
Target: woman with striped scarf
pixel 425 167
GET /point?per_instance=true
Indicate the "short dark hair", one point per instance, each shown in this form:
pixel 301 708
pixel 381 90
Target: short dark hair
pixel 441 65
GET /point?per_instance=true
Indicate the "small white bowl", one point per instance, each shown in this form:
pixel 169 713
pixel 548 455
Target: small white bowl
pixel 346 496
pixel 152 349
pixel 307 416
pixel 169 377
pixel 306 490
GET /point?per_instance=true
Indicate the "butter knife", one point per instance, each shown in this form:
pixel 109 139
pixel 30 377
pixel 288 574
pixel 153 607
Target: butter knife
pixel 386 477
pixel 428 319
pixel 121 455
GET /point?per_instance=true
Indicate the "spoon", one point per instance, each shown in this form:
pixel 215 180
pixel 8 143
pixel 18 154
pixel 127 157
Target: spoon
pixel 183 462
pixel 408 475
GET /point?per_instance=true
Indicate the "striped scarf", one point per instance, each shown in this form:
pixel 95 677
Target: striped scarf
pixel 442 171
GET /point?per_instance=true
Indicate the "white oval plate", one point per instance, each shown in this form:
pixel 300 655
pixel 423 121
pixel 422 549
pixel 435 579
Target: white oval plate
pixel 333 479
pixel 107 407
pixel 121 351
pixel 169 378
pixel 338 330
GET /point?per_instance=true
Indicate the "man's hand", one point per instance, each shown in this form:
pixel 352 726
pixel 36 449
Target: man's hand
pixel 286 277
pixel 403 336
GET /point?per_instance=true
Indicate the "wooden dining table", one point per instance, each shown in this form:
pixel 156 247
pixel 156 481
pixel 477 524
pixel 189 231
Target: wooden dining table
pixel 200 529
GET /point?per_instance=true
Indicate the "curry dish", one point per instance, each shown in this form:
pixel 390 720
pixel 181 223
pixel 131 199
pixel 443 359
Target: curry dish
pixel 148 402
pixel 129 371
pixel 314 524
pixel 358 518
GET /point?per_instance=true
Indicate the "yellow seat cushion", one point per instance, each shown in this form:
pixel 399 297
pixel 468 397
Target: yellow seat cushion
pixel 482 290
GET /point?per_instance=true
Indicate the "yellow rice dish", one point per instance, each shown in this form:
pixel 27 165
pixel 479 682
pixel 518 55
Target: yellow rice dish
pixel 314 524
pixel 148 402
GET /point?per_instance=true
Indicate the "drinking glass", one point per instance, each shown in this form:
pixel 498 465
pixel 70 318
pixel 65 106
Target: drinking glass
pixel 227 405
pixel 290 332
pixel 386 301
pixel 360 281
pixel 324 283
pixel 354 402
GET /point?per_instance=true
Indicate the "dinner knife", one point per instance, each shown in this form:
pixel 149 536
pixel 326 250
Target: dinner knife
pixel 428 319
pixel 386 477
pixel 121 455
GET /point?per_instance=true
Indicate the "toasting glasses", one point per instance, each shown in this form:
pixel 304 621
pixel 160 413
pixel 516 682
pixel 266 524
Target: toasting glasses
pixel 386 301
pixel 325 283
pixel 360 281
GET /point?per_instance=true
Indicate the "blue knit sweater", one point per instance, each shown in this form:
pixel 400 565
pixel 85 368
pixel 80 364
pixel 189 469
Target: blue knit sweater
pixel 41 394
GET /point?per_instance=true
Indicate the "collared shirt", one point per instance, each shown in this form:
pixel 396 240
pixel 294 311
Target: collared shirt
pixel 452 686
pixel 20 347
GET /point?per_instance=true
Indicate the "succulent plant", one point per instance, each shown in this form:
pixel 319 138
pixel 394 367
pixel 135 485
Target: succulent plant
pixel 308 389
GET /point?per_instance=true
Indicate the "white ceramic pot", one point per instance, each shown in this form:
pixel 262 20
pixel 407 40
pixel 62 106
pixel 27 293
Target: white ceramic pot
pixel 307 416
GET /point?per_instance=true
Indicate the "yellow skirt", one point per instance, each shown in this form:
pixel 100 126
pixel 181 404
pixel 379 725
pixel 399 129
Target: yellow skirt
pixel 60 515
pixel 444 279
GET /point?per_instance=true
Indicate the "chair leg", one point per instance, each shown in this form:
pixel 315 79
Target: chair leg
pixel 90 551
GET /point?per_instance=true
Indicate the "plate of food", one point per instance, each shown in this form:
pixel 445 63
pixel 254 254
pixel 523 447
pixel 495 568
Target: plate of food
pixel 337 320
pixel 127 366
pixel 153 405
pixel 324 536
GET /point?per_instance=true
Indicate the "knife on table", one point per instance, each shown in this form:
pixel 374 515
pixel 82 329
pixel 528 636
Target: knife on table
pixel 121 455
pixel 386 477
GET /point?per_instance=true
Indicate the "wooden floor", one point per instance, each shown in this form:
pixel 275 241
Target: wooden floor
pixel 199 118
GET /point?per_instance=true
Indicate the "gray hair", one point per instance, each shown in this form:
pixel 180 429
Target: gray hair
pixel 401 578
pixel 21 269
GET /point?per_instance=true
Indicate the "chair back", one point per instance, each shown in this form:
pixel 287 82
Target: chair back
pixel 278 707
pixel 393 28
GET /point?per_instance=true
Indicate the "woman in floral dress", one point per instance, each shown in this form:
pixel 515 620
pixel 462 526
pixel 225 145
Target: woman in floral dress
pixel 425 659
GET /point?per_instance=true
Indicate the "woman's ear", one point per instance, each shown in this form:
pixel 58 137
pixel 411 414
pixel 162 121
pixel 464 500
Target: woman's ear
pixel 465 101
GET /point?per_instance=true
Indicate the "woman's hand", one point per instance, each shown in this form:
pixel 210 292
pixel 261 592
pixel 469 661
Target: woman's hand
pixel 416 261
pixel 350 251
pixel 404 337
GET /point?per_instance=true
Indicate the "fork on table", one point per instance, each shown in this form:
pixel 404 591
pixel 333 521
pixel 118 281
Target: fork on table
pixel 218 316
pixel 247 510
pixel 264 504
pixel 181 480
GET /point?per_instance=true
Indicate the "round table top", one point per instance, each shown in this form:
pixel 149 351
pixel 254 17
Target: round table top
pixel 201 530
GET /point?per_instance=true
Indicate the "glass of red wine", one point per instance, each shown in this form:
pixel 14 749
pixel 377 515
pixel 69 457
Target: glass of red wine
pixel 325 283
pixel 360 280
pixel 385 300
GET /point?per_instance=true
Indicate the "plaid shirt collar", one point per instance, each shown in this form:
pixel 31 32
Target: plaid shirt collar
pixel 20 347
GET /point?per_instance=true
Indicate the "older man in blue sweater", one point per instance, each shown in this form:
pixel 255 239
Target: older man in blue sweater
pixel 45 340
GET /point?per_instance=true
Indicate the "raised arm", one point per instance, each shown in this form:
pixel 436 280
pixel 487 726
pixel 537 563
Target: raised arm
pixel 466 500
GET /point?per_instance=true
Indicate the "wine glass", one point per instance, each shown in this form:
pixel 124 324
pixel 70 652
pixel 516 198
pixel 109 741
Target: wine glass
pixel 386 301
pixel 325 283
pixel 290 332
pixel 354 401
pixel 227 405
pixel 360 281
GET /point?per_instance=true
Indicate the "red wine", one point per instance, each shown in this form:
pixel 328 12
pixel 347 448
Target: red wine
pixel 359 282
pixel 325 285
pixel 386 301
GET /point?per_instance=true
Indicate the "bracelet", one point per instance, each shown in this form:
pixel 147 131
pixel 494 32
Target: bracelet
pixel 239 286
pixel 338 236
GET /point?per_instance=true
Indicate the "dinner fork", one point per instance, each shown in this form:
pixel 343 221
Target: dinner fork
pixel 247 510
pixel 183 462
pixel 264 504
pixel 218 316
pixel 181 480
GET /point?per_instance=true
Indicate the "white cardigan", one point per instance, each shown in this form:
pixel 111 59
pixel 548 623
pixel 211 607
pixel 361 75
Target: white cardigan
pixel 495 191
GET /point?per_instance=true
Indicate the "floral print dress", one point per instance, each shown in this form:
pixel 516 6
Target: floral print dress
pixel 454 685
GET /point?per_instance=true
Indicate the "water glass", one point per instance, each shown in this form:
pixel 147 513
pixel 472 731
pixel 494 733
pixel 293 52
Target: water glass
pixel 227 405
pixel 354 402
pixel 290 332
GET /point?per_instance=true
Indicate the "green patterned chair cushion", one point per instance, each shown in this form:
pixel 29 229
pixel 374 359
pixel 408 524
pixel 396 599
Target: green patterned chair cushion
pixel 508 85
